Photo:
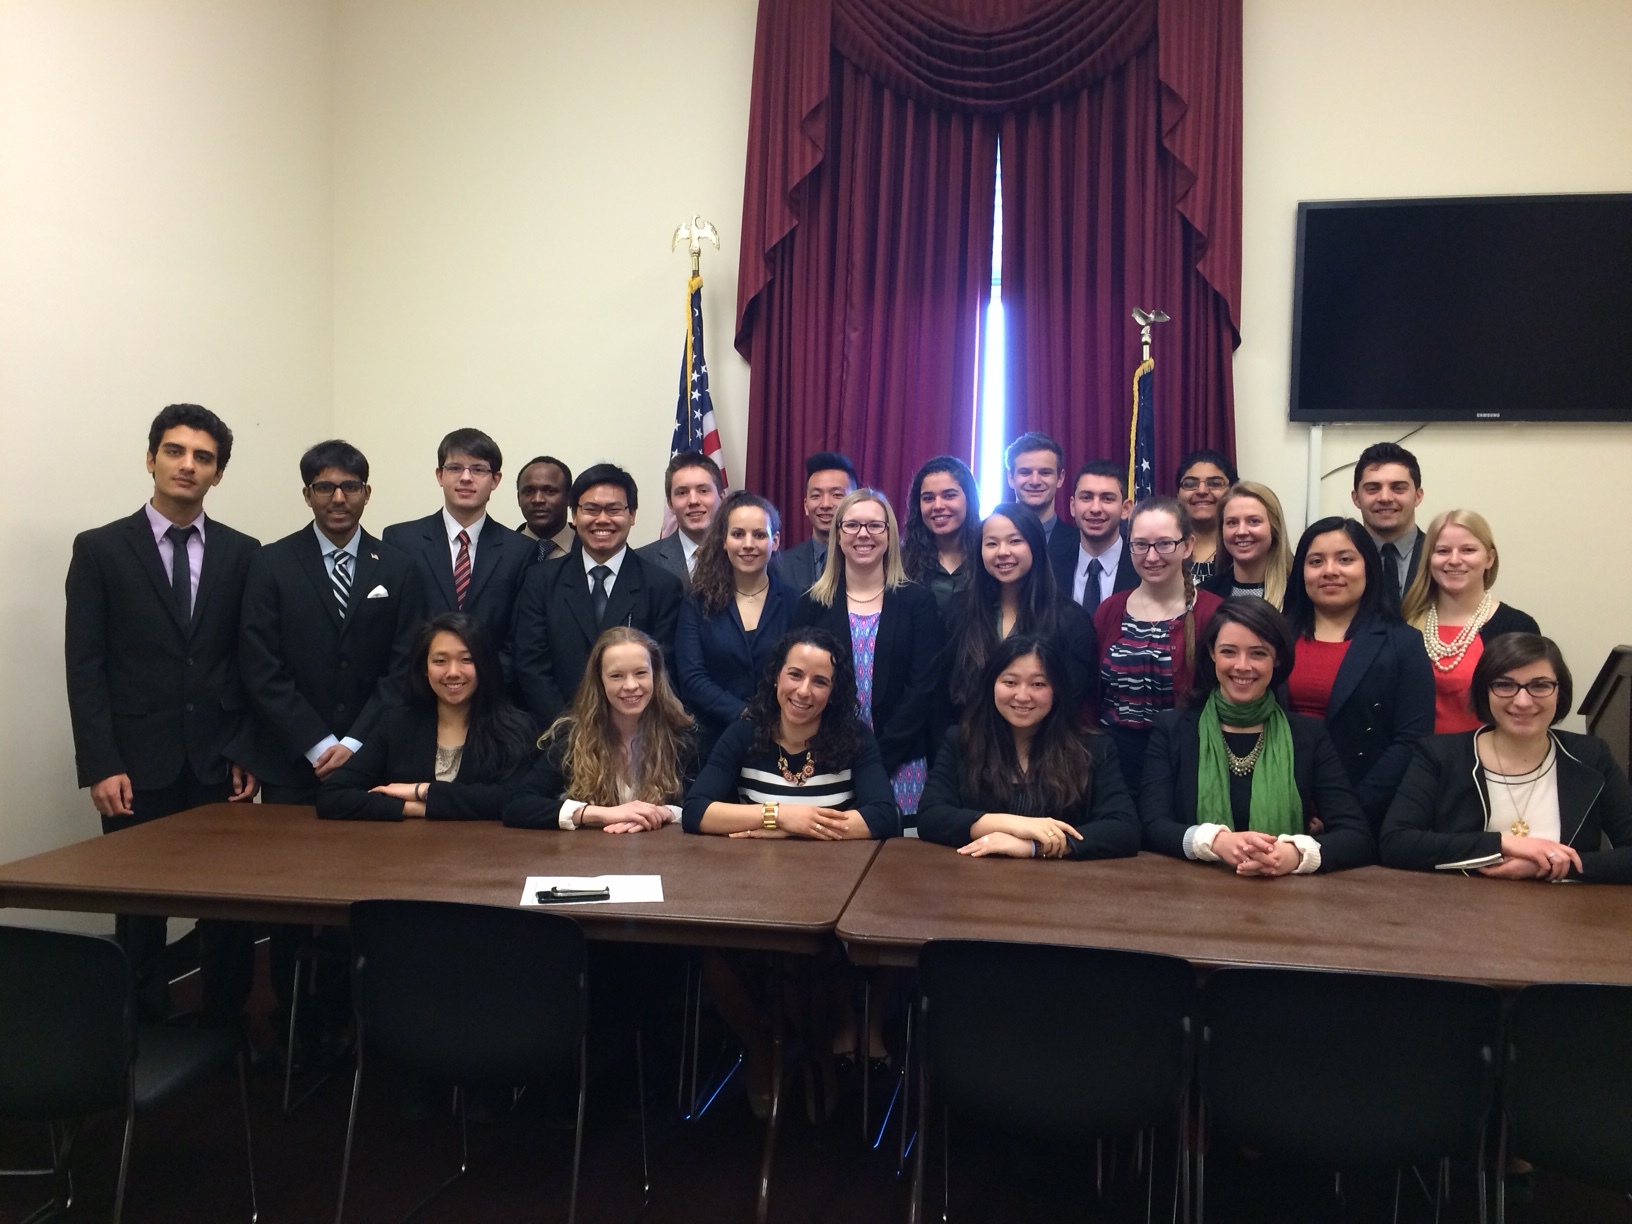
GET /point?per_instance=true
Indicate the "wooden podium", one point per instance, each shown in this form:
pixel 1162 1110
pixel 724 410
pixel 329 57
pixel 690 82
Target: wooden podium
pixel 1607 706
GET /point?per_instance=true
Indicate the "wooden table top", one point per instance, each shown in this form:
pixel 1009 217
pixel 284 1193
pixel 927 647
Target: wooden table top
pixel 1442 925
pixel 268 863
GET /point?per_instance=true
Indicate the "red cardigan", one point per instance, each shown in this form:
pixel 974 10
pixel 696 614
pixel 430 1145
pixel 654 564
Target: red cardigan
pixel 1108 627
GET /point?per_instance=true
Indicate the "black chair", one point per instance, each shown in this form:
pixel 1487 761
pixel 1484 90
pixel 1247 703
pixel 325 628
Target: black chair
pixel 70 1047
pixel 1377 1070
pixel 471 995
pixel 1567 1084
pixel 1108 1045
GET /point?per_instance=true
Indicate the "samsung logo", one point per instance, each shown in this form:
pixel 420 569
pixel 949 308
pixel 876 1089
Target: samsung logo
pixel 1491 416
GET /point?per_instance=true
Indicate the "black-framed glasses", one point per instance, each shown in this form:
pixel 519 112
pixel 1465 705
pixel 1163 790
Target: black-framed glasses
pixel 852 527
pixel 456 470
pixel 1215 483
pixel 326 488
pixel 590 510
pixel 1164 548
pixel 1541 686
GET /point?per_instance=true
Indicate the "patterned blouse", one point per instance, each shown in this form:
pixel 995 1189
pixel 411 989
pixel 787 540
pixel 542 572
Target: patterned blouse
pixel 1136 677
pixel 909 778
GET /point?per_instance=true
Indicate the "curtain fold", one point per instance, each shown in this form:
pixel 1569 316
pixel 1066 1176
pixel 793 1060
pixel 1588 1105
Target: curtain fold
pixel 867 212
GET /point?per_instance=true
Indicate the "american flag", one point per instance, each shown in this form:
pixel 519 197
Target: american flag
pixel 1142 433
pixel 694 426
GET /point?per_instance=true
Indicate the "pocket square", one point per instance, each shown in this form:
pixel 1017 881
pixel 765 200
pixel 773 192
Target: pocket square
pixel 379 592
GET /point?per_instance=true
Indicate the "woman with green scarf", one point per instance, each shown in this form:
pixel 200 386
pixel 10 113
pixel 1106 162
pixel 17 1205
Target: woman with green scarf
pixel 1236 780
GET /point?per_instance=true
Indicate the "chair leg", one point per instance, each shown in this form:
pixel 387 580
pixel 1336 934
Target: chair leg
pixel 640 1088
pixel 351 1128
pixel 863 1050
pixel 773 1122
pixel 946 1164
pixel 906 1093
pixel 289 1038
pixel 1501 1172
pixel 1397 1173
pixel 249 1139
pixel 915 1210
pixel 578 1128
pixel 1201 1154
pixel 1150 1178
pixel 124 1150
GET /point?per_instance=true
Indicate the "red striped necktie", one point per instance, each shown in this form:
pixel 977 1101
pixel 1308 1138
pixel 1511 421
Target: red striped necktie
pixel 461 571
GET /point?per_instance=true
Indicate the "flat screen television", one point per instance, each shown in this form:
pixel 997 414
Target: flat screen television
pixel 1497 308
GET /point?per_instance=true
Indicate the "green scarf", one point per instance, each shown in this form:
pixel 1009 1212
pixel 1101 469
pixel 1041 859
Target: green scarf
pixel 1276 807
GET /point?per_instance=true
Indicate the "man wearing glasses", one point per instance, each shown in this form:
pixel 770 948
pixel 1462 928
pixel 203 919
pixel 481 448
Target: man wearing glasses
pixel 567 602
pixel 468 563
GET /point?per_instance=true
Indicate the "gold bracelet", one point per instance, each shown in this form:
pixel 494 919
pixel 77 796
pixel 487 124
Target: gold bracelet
pixel 768 813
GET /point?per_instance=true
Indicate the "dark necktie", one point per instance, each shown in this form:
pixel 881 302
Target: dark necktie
pixel 597 590
pixel 545 548
pixel 181 571
pixel 341 580
pixel 461 571
pixel 1391 574
pixel 1090 589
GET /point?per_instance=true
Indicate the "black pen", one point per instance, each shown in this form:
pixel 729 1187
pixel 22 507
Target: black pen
pixel 548 896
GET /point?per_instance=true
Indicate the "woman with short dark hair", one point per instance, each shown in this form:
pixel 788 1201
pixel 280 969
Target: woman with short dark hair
pixel 452 751
pixel 1235 779
pixel 1517 799
pixel 1019 777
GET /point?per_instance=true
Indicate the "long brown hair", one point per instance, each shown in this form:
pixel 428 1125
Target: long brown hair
pixel 595 762
pixel 1187 531
pixel 712 581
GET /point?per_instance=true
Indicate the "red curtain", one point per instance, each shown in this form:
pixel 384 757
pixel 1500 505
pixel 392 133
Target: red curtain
pixel 867 218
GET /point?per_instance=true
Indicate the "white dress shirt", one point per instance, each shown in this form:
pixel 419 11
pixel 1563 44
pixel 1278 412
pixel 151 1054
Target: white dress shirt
pixel 453 527
pixel 1109 560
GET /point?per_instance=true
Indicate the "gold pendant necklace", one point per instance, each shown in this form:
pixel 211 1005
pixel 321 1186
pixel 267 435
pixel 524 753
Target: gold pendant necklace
pixel 806 772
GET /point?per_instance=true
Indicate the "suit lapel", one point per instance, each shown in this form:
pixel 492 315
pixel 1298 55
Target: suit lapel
pixel 489 553
pixel 368 562
pixel 437 552
pixel 626 591
pixel 575 594
pixel 1357 660
pixel 310 557
pixel 1578 789
pixel 140 537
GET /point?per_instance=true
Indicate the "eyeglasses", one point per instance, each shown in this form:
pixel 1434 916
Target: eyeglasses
pixel 456 470
pixel 590 511
pixel 1506 686
pixel 1191 483
pixel 1163 547
pixel 326 488
pixel 852 527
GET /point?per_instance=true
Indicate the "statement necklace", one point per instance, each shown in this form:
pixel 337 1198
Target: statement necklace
pixel 1447 656
pixel 804 775
pixel 1241 766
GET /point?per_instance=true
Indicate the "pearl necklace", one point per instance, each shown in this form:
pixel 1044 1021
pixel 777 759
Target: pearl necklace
pixel 1453 650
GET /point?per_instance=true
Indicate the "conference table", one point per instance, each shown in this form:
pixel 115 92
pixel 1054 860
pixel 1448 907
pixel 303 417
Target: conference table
pixel 1369 920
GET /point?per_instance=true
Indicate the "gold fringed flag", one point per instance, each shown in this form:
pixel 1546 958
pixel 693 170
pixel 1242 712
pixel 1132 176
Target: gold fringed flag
pixel 1142 434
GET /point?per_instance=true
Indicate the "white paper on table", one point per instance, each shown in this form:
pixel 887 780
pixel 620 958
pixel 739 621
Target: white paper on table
pixel 625 889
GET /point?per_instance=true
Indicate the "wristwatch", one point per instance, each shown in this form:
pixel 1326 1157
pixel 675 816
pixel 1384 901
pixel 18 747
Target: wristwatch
pixel 767 814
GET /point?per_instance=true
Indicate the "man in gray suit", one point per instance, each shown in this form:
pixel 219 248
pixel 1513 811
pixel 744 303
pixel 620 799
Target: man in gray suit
pixel 829 478
pixel 691 486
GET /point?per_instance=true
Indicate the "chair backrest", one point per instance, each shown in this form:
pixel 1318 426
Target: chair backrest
pixel 1338 1068
pixel 67 1024
pixel 1039 1038
pixel 1567 1084
pixel 469 994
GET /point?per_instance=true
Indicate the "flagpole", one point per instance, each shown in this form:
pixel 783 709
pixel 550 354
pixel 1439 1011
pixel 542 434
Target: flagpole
pixel 1141 429
pixel 695 428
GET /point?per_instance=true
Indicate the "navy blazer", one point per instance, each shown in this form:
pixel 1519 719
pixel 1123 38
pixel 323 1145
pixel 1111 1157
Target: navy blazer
pixel 716 666
pixel 1168 792
pixel 555 626
pixel 310 672
pixel 1065 566
pixel 797 566
pixel 148 694
pixel 1381 704
pixel 906 666
pixel 503 558
pixel 402 748
pixel 1442 808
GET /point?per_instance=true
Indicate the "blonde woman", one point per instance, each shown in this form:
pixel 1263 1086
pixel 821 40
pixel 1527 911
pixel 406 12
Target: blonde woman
pixel 621 758
pixel 893 630
pixel 1252 533
pixel 1451 605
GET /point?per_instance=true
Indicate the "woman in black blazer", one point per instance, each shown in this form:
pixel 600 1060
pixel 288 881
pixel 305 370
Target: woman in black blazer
pixel 1233 779
pixel 1358 666
pixel 1540 799
pixel 621 759
pixel 735 615
pixel 1019 777
pixel 452 751
pixel 893 630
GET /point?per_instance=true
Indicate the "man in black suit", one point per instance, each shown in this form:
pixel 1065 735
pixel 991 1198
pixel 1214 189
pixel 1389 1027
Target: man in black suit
pixel 467 561
pixel 541 492
pixel 154 694
pixel 1387 492
pixel 1101 563
pixel 691 486
pixel 566 602
pixel 1035 466
pixel 829 478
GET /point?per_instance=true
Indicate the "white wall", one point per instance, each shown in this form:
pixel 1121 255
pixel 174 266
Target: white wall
pixel 164 236
pixel 508 176
pixel 1382 98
